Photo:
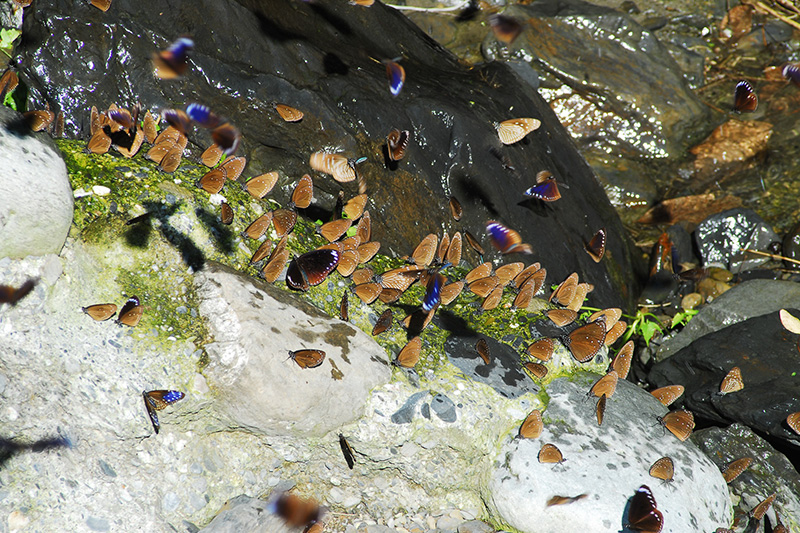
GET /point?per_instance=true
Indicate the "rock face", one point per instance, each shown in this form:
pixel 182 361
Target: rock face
pixel 766 354
pixel 325 60
pixel 35 194
pixel 254 326
pixel 606 463
pixel 749 299
pixel 769 472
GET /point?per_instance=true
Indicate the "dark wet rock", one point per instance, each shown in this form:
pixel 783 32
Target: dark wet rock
pixel 769 472
pixel 325 60
pixel 244 513
pixel 444 407
pixel 790 246
pixel 748 299
pixel 721 237
pixel 631 74
pixel 768 358
pixel 35 194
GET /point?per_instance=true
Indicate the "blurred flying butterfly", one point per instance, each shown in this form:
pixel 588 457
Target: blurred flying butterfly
pixel 532 427
pixel 514 130
pixel 506 240
pixel 384 323
pixel 744 98
pixel 735 469
pixel 732 381
pixel 792 73
pixel 336 165
pixel 409 355
pixel 550 454
pixel 546 188
pixel 173 62
pixel 585 341
pixel 131 312
pixel 177 118
pixel 203 115
pixel 505 28
pixel 100 312
pixel 347 451
pixel 156 400
pixel 397 143
pixel 39 120
pixel 295 511
pixel 680 423
pixel 596 247
pixel 227 137
pixel 288 114
pixel 12 295
pixel 482 347
pixel 433 292
pixel 663 469
pixel 563 500
pixel 396 76
pixel 311 268
pixel 307 358
pixel 668 394
pixel 642 512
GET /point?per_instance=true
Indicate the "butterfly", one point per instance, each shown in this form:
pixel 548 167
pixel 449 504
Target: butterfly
pixel 643 514
pixel 397 143
pixel 100 312
pixel 668 394
pixel 384 323
pixel 514 130
pixel 131 312
pixel 744 98
pixel 288 114
pixel 505 28
pixel 409 355
pixel 344 307
pixel 736 468
pixel 596 247
pixel 347 451
pixel 396 76
pixel 12 295
pixel 456 211
pixel 606 385
pixel 295 511
pixel 173 62
pixel 307 358
pixel 156 400
pixel 506 240
pixel 340 167
pixel 532 427
pixel 680 423
pixel 550 454
pixel 433 292
pixel 792 73
pixel 546 188
pixel 585 341
pixel 482 347
pixel 732 382
pixel 311 268
pixel 663 469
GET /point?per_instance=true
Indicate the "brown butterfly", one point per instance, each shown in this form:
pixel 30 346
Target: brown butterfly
pixel 12 295
pixel 680 423
pixel 585 341
pixel 732 381
pixel 537 369
pixel 622 362
pixel 532 426
pixel 289 114
pixel 409 355
pixel 663 469
pixel 735 469
pixel 513 130
pixel 482 347
pixel 260 186
pixel 542 349
pixel 384 323
pixel 606 385
pixel 550 454
pixel 397 143
pixel 596 247
pixel 307 358
pixel 131 313
pixel 668 394
pixel 565 292
pixel 456 211
pixel 100 312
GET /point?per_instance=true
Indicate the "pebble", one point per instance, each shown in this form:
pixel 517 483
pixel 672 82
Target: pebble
pixel 691 300
pixel 97 524
pixel 444 408
pixel 100 190
pixel 17 520
pixel 475 526
pixel 171 502
pixel 448 524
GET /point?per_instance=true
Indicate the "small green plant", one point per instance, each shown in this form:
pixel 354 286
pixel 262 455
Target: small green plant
pixel 683 317
pixel 644 324
pixel 9 101
pixel 7 38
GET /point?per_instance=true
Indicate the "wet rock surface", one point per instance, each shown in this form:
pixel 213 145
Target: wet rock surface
pixel 768 358
pixel 334 75
pixel 721 238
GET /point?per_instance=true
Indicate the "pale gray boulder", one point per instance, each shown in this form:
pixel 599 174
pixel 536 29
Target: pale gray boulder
pixel 259 387
pixel 607 463
pixel 35 192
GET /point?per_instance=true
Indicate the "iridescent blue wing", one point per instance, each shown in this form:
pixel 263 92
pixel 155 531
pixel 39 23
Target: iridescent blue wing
pixel 433 293
pixel 396 75
pixel 203 115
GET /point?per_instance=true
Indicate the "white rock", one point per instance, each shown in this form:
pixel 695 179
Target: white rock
pixel 35 194
pixel 255 326
pixel 608 463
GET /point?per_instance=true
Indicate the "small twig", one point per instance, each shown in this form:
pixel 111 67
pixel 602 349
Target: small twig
pixel 430 9
pixel 771 256
pixel 765 9
pixel 789 5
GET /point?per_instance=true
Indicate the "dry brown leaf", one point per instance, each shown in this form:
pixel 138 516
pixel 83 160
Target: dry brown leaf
pixel 730 144
pixel 739 20
pixel 692 209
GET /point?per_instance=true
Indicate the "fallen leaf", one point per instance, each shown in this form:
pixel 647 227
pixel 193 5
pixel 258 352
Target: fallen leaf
pixel 730 145
pixel 739 20
pixel 692 209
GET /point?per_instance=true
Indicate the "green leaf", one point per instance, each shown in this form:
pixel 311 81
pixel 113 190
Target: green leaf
pixel 648 330
pixel 7 38
pixel 9 101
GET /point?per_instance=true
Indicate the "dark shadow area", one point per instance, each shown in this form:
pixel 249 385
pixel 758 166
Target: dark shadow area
pixel 469 13
pixel 9 448
pixel 315 212
pixel 471 190
pixel 139 230
pixel 387 161
pixel 221 232
pixel 19 127
pixel 536 206
pixel 273 31
pixel 454 324
pixel 334 65
pixel 339 24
